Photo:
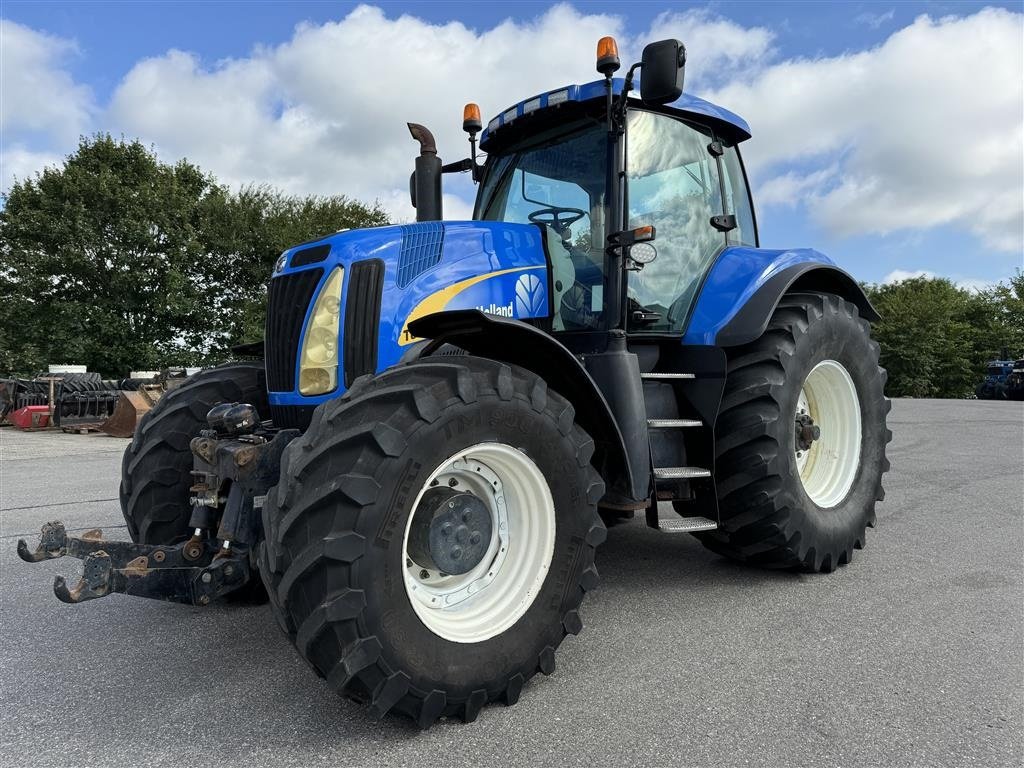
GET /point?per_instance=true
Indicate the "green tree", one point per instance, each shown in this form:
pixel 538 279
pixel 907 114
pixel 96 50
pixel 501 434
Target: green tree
pixel 102 257
pixel 935 337
pixel 1006 313
pixel 248 230
pixel 119 261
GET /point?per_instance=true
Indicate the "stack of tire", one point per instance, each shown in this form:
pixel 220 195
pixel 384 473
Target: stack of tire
pixel 83 397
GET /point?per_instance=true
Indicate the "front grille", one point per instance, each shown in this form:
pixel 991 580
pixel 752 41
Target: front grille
pixel 291 416
pixel 310 255
pixel 362 318
pixel 421 249
pixel 287 302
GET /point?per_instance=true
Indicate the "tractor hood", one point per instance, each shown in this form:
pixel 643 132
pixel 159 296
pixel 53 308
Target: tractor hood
pixel 390 277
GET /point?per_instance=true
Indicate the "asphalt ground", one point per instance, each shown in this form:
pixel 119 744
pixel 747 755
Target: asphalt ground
pixel 911 655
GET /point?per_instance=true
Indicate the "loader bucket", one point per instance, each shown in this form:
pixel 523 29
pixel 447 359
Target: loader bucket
pixel 130 407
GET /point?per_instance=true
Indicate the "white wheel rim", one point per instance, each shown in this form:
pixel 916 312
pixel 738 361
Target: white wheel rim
pixel 492 596
pixel 829 468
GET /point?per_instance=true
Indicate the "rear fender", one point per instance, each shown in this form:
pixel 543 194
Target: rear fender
pixel 745 285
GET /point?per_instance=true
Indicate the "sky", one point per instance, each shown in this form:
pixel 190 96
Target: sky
pixel 888 135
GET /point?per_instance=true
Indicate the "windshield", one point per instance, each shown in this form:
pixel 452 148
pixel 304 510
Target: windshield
pixel 558 181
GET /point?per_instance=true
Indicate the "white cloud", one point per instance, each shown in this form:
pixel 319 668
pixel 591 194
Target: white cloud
pixel 717 49
pixel 326 111
pixel 37 95
pixel 967 283
pixel 42 109
pixel 899 275
pixel 875 20
pixel 790 188
pixel 928 128
pixel 922 131
pixel 19 163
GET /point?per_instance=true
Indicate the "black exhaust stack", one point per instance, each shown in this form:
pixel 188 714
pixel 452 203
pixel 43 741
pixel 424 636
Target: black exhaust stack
pixel 425 182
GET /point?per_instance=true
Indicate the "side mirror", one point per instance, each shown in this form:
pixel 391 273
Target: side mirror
pixel 661 76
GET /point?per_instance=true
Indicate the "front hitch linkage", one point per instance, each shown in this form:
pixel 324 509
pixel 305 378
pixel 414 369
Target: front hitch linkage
pixel 236 461
pixel 142 570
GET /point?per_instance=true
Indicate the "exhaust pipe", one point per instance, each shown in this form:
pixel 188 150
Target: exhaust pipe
pixel 425 182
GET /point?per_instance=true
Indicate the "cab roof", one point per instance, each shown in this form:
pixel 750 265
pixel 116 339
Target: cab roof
pixel 726 124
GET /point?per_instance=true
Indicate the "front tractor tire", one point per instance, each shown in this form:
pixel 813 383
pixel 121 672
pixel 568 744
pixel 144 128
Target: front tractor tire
pixel 432 536
pixel 155 470
pixel 801 438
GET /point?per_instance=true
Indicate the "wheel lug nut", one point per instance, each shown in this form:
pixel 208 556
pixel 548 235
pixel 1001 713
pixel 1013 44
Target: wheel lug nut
pixel 424 574
pixel 475 538
pixel 446 530
pixel 453 482
pixel 456 553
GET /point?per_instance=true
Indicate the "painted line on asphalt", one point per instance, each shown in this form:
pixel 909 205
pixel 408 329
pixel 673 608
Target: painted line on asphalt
pixel 55 504
pixel 69 530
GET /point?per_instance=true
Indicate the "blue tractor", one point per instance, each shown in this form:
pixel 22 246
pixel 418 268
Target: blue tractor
pixel 446 414
pixel 996 384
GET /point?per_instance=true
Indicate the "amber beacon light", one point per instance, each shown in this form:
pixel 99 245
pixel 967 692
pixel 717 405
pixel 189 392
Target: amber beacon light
pixel 607 56
pixel 471 122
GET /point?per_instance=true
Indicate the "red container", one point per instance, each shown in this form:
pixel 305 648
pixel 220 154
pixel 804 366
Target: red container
pixel 31 417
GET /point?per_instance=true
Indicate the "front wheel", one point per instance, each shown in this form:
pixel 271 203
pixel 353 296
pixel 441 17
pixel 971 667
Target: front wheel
pixel 432 536
pixel 800 439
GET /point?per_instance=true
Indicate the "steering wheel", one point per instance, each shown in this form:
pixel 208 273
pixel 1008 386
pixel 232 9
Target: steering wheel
pixel 552 217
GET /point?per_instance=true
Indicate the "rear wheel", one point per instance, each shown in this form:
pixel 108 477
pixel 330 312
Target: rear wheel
pixel 432 536
pixel 801 439
pixel 155 470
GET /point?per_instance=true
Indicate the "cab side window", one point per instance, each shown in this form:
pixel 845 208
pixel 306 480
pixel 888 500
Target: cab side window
pixel 737 200
pixel 674 184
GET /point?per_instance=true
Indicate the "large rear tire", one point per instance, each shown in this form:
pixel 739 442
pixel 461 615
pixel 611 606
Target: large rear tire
pixel 371 610
pixel 155 477
pixel 801 438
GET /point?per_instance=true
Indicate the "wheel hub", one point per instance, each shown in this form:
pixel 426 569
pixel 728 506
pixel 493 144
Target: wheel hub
pixel 827 458
pixel 493 581
pixel 450 531
pixel 806 432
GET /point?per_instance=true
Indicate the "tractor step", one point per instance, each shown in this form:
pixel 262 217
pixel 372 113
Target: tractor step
pixel 680 473
pixel 685 524
pixel 673 423
pixel 666 376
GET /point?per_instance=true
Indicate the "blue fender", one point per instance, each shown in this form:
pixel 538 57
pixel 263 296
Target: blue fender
pixel 744 286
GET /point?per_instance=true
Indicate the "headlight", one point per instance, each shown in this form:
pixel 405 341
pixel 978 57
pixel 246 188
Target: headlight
pixel 282 260
pixel 318 363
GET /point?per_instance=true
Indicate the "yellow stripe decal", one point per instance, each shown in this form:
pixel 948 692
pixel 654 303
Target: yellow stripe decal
pixel 437 301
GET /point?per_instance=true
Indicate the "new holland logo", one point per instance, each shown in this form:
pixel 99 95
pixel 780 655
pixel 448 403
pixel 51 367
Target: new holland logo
pixel 531 300
pixel 494 309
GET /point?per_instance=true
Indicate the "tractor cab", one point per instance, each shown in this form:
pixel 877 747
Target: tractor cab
pixel 599 164
pixel 549 162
